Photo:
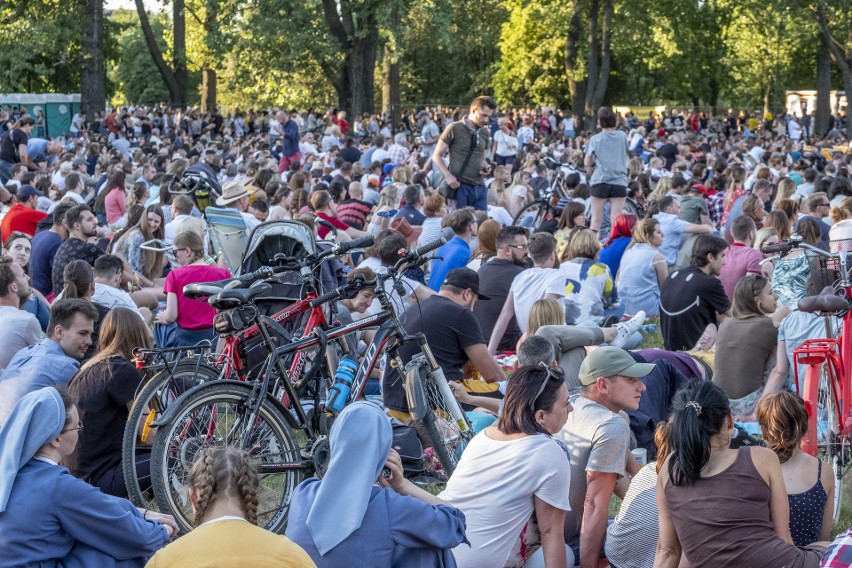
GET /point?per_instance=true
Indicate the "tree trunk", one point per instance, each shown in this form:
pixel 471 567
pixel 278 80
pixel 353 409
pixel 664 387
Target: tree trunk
pixel 576 88
pixel 592 59
pixel 606 58
pixel 177 89
pixel 93 71
pixel 361 71
pixel 179 52
pixel 390 74
pixel 208 88
pixel 822 117
pixel 714 94
pixel 767 91
pixel 842 58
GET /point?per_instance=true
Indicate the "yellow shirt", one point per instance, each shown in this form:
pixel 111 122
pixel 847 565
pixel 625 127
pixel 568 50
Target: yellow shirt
pixel 230 542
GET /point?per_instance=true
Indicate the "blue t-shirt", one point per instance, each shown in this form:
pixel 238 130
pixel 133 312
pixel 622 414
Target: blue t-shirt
pixel 455 254
pixel 611 255
pixel 45 244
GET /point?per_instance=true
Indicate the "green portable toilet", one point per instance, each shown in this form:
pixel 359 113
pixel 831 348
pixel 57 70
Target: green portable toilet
pixel 58 108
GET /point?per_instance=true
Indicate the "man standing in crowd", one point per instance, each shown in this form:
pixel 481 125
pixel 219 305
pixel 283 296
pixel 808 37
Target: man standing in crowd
pixel 693 298
pixel 54 361
pixel 429 132
pixel 290 133
pixel 82 226
pixel 18 328
pixel 467 141
pixel 597 435
pixel 453 335
pixel 23 216
pixel 543 280
pixel 496 277
pixel 455 253
pixel 44 247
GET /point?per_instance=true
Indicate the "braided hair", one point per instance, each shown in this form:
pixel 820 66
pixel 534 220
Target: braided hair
pixel 224 471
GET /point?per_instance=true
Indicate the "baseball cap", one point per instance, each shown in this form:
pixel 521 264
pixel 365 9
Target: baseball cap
pixel 465 278
pixel 77 162
pixel 611 361
pixel 423 113
pixel 388 168
pixel 26 191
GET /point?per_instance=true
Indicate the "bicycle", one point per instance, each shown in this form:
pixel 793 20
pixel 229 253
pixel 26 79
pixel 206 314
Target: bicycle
pixel 266 416
pixel 827 385
pixel 534 214
pixel 155 394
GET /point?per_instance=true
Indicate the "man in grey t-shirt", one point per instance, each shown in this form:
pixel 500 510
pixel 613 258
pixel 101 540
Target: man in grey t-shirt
pixel 598 441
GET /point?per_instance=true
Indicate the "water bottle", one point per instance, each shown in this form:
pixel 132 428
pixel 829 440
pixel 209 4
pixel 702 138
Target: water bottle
pixel 338 394
pixel 648 328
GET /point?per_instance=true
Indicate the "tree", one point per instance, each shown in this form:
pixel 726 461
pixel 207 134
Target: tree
pixel 135 68
pixel 93 69
pixel 175 76
pixel 835 23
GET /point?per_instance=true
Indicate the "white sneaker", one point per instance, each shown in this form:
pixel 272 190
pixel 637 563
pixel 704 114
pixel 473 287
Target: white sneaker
pixel 627 328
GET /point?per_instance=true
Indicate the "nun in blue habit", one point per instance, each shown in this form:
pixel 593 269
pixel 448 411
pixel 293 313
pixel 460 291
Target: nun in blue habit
pixel 355 517
pixel 48 518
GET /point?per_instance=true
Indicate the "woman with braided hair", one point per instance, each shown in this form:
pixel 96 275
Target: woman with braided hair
pixel 810 487
pixel 719 506
pixel 222 488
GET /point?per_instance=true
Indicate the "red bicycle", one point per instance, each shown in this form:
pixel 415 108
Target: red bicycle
pixel 827 384
pixel 172 378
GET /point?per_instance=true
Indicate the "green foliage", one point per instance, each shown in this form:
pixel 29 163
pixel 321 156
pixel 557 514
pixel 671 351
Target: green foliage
pixel 42 50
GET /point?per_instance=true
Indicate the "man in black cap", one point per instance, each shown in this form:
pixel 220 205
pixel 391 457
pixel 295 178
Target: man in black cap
pixel 454 336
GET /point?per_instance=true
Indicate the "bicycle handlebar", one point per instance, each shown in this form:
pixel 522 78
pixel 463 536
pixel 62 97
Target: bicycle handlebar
pixel 784 247
pixel 346 291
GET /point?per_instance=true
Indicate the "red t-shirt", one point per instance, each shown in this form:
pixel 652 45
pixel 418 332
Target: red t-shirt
pixel 193 314
pixel 21 218
pixel 322 231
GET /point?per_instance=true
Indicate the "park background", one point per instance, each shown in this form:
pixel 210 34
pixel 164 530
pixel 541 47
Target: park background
pixel 389 55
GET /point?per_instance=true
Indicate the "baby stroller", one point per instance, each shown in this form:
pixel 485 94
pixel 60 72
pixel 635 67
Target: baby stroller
pixel 293 239
pixel 199 181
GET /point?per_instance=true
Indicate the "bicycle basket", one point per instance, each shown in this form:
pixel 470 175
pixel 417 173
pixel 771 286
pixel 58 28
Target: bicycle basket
pixel 826 271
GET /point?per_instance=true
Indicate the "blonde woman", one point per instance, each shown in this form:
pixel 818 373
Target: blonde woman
pixel 786 189
pixel 520 192
pixel 388 201
pixel 590 295
pixel 547 311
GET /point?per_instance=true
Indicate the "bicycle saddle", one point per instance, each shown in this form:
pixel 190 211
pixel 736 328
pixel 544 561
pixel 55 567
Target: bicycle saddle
pixel 825 301
pixel 238 296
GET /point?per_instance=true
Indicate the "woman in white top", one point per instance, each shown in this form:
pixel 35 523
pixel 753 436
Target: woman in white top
pixel 505 144
pixel 514 469
pixel 520 192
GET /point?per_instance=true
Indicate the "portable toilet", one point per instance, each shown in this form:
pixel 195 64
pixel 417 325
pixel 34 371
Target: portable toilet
pixel 58 109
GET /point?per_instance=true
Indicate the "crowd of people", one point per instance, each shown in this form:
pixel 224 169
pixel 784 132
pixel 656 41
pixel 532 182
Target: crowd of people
pixel 658 219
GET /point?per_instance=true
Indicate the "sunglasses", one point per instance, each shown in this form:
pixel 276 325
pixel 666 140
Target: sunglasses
pixel 78 428
pixel 550 375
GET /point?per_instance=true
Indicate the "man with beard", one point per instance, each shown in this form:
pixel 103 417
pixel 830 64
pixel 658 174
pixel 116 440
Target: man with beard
pixel 82 225
pixel 453 335
pixel 18 329
pixel 497 275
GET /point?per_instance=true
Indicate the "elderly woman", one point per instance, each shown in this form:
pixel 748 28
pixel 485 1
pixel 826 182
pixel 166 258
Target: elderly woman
pixel 385 517
pixel 48 517
pixel 512 470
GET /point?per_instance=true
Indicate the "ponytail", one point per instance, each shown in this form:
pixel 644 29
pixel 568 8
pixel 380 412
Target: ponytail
pixel 700 412
pixel 78 277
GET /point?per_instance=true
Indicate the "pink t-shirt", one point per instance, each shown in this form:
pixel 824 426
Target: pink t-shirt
pixel 115 204
pixel 741 260
pixel 193 314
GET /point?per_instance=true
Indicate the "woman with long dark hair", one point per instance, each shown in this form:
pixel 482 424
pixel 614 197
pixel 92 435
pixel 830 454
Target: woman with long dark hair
pixel 112 199
pixel 720 506
pixel 512 470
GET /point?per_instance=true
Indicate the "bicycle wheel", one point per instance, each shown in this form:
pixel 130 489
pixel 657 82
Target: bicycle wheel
pixel 440 415
pixel 153 398
pixel 218 415
pixel 532 215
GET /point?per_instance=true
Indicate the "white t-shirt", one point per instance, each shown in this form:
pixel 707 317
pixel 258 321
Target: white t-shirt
pixel 500 215
pixel 494 485
pixel 110 297
pixel 507 145
pixel 18 329
pixel 532 285
pixel 380 155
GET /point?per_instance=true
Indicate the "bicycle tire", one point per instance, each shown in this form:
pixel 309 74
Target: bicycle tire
pixel 439 416
pixel 539 210
pixel 178 443
pixel 150 394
